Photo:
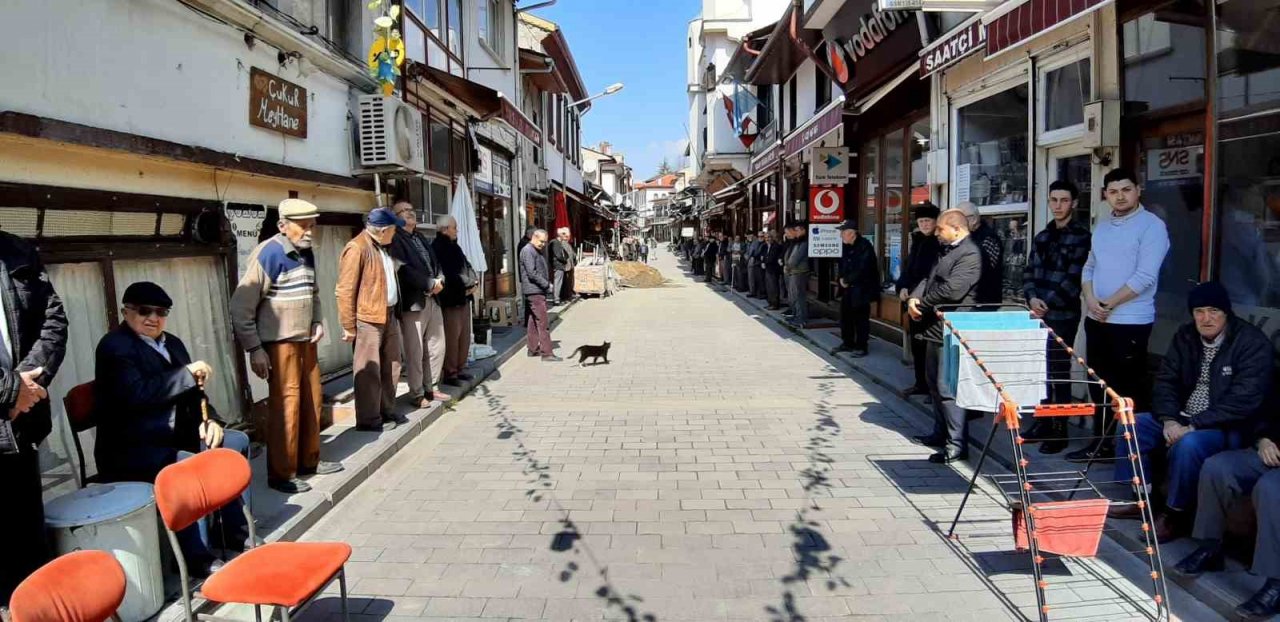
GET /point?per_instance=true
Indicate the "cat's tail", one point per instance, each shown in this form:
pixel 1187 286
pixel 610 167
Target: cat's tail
pixel 575 352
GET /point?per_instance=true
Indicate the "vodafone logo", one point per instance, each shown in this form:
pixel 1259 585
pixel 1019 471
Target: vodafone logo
pixel 826 205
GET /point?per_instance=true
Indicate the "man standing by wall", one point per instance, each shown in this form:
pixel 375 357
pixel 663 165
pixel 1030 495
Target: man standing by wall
pixel 953 280
pixel 1119 283
pixel 724 260
pixel 275 312
pixel 774 252
pixel 535 286
pixel 459 282
pixel 710 256
pixel 421 320
pixel 860 283
pixel 368 306
pixel 920 260
pixel 562 262
pixel 1051 284
pixel 796 269
pixel 29 359
pixel 991 288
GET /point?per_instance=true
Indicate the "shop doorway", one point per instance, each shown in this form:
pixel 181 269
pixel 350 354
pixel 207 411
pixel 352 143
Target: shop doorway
pixel 1073 164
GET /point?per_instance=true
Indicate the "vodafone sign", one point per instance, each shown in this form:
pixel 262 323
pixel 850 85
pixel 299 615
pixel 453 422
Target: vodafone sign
pixel 826 204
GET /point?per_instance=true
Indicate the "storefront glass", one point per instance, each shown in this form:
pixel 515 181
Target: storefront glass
pixel 991 157
pixel 868 216
pixel 918 149
pixel 893 209
pixel 1164 58
pixel 1248 167
pixel 1066 91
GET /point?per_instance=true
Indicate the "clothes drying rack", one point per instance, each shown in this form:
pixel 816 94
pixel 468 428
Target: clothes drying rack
pixel 1054 512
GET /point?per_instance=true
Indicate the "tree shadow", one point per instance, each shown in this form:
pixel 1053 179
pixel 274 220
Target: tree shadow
pixel 814 556
pixel 539 486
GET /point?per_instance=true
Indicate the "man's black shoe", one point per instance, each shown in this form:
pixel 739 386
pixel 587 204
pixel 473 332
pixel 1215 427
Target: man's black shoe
pixel 1102 450
pixel 462 375
pixel 1263 604
pixel 1207 558
pixel 375 427
pixel 916 390
pixel 949 455
pixel 395 418
pixel 843 348
pixel 929 440
pixel 551 358
pixel 454 382
pixel 1038 432
pixel 1054 446
pixel 860 353
pixel 323 468
pixel 289 486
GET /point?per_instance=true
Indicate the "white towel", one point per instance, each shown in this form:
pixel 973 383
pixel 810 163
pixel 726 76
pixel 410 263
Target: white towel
pixel 1016 358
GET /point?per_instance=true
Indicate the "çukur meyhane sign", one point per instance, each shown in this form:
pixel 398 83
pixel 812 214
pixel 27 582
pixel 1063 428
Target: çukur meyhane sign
pixel 277 104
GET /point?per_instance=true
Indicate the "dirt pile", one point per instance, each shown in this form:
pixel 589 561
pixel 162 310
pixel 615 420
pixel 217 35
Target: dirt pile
pixel 636 274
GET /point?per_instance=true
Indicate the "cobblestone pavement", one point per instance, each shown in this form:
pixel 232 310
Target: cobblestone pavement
pixel 715 470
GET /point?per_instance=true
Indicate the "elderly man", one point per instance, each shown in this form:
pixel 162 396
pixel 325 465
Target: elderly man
pixel 147 397
pixel 421 321
pixel 710 255
pixel 1226 480
pixel 562 263
pixel 459 282
pixel 368 300
pixel 1207 398
pixel 953 281
pixel 796 269
pixel 990 288
pixel 922 255
pixel 755 265
pixel 775 249
pixel 535 287
pixel 859 272
pixel 275 313
pixel 33 340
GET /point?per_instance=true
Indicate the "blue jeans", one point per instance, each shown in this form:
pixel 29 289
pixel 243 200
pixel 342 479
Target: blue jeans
pixel 195 540
pixel 1182 462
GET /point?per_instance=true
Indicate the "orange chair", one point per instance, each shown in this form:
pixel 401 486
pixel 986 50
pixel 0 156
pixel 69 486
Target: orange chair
pixel 85 586
pixel 287 575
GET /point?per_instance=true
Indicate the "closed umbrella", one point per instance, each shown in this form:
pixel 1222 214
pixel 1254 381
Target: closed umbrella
pixel 463 212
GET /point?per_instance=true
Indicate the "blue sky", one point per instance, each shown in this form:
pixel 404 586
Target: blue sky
pixel 640 43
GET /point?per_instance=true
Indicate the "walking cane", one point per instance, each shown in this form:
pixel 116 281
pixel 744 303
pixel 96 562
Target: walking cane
pixel 204 425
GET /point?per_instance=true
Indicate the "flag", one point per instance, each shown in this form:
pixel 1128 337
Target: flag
pixel 741 108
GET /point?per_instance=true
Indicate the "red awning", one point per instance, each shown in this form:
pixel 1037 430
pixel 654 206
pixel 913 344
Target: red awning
pixel 1008 27
pixel 484 101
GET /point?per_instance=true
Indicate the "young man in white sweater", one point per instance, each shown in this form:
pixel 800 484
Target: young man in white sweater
pixel 1119 283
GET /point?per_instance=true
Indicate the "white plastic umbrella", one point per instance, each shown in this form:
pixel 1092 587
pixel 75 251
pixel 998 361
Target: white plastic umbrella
pixel 463 212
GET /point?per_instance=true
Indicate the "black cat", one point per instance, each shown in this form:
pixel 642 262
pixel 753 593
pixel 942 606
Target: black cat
pixel 595 353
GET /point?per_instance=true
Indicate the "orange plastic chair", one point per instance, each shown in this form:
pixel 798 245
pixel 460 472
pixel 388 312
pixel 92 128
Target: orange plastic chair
pixel 285 575
pixel 78 404
pixel 84 586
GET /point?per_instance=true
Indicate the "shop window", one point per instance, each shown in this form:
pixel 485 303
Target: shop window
pixel 1248 167
pixel 1164 58
pixel 868 215
pixel 1066 91
pixel 918 151
pixel 438 140
pixel 991 154
pixel 894 214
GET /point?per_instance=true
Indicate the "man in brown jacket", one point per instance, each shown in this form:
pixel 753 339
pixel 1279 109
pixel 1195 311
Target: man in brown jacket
pixel 275 312
pixel 368 300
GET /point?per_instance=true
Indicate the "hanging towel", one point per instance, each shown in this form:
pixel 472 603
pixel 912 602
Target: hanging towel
pixel 1071 528
pixel 1016 358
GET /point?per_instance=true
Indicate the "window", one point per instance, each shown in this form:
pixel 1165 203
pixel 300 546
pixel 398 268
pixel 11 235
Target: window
pixel 454 17
pixel 894 210
pixel 1164 59
pixel 868 215
pixel 821 89
pixel 489 21
pixel 764 109
pixel 991 152
pixel 792 91
pixel 427 31
pixel 1066 90
pixel 438 147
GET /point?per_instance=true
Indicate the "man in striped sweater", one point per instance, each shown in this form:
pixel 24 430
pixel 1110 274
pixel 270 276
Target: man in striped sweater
pixel 275 312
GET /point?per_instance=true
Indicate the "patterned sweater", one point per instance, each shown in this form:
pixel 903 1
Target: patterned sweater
pixel 277 298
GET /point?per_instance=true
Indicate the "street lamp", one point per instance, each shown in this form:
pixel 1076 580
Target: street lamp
pixel 564 157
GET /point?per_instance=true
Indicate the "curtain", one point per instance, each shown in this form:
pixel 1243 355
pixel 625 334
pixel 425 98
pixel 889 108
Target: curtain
pixel 333 352
pixel 81 288
pixel 200 318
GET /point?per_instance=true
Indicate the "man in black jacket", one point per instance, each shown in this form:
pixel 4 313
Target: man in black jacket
pixel 421 319
pixel 562 263
pixel 535 285
pixel 454 299
pixel 724 259
pixel 773 254
pixel 953 281
pixel 147 396
pixel 1207 398
pixel 860 282
pixel 991 287
pixel 33 340
pixel 710 256
pixel 922 255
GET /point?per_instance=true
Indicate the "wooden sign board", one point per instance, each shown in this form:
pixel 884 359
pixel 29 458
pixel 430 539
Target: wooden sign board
pixel 277 104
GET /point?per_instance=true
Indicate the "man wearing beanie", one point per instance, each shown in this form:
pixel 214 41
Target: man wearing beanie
pixel 921 256
pixel 368 307
pixel 1208 398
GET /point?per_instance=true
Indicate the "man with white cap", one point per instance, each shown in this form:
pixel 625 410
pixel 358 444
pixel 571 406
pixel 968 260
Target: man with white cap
pixel 275 312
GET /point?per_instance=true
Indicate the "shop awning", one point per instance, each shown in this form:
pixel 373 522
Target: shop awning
pixel 878 94
pixel 483 101
pixel 1018 21
pixel 747 53
pixel 813 130
pixel 784 52
pixel 516 120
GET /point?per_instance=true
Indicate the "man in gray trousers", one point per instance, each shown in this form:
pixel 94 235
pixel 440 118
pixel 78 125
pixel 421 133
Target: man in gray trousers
pixel 795 268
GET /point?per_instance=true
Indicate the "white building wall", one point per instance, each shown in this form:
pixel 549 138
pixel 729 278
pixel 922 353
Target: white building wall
pixel 157 69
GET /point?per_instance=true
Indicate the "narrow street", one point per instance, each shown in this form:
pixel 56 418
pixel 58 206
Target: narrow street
pixel 714 470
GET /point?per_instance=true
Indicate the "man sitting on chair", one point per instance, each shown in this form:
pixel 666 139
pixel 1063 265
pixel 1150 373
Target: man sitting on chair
pixel 1207 398
pixel 147 396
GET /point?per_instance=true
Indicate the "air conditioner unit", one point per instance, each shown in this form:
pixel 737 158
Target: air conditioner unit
pixel 390 134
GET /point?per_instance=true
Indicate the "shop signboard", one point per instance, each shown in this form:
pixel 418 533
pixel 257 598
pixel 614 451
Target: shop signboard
pixel 484 172
pixel 901 5
pixel 816 128
pixel 826 205
pixel 686 232
pixel 824 241
pixel 277 104
pixel 246 225
pixel 964 41
pixel 830 166
pixel 1176 163
pixel 866 42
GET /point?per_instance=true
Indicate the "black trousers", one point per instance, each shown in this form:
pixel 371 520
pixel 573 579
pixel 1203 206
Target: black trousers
pixel 1118 354
pixel 949 420
pixel 855 322
pixel 1059 362
pixel 21 522
pixel 919 351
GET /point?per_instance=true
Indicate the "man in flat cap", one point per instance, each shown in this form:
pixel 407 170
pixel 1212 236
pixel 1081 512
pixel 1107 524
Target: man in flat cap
pixel 368 307
pixel 147 404
pixel 275 312
pixel 860 286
